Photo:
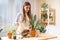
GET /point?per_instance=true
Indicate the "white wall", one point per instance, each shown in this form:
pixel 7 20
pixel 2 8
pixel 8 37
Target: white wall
pixel 36 7
pixel 55 4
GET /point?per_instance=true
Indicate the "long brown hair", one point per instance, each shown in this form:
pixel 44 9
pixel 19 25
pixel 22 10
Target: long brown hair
pixel 28 14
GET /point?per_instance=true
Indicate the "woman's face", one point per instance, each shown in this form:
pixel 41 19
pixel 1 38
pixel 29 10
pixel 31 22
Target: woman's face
pixel 27 8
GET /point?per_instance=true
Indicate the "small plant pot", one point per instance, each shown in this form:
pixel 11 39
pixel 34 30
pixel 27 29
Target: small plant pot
pixel 14 37
pixel 32 33
pixel 9 35
pixel 0 38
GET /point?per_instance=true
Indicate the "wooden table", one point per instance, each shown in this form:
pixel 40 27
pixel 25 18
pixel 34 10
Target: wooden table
pixel 41 37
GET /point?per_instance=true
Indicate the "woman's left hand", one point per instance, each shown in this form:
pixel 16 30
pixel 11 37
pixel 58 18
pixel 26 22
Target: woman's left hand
pixel 27 27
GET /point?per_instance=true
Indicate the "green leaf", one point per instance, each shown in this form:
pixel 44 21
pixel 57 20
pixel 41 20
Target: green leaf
pixel 34 18
pixel 45 16
pixel 39 27
pixel 9 29
pixel 44 31
pixel 14 32
pixel 33 23
pixel 44 5
pixel 32 26
pixel 1 30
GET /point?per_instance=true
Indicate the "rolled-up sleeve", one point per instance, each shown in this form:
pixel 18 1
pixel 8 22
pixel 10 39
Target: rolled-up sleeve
pixel 18 18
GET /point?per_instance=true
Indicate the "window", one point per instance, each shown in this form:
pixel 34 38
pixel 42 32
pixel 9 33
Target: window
pixel 9 10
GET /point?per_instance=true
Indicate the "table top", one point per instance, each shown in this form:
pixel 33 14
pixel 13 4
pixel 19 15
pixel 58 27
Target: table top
pixel 41 37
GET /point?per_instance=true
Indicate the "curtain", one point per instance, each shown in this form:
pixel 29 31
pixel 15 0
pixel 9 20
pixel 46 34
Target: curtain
pixel 9 10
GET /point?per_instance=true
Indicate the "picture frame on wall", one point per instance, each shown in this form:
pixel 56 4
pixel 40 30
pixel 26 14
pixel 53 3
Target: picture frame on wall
pixel 52 15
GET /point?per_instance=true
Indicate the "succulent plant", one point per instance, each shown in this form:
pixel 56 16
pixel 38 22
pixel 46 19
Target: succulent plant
pixel 33 23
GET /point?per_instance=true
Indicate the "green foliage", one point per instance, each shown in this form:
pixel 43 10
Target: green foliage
pixel 45 16
pixel 1 30
pixel 44 5
pixel 34 18
pixel 50 16
pixel 9 29
pixel 39 27
pixel 33 23
pixel 14 32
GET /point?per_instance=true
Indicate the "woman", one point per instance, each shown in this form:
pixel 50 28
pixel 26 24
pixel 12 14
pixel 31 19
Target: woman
pixel 24 20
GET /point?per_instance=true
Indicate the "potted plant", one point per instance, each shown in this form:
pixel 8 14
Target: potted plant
pixel 33 31
pixel 1 30
pixel 9 32
pixel 14 34
pixel 44 6
pixel 40 28
pixel 44 16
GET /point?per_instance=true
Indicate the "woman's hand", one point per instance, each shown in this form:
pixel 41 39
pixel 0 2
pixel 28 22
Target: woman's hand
pixel 28 27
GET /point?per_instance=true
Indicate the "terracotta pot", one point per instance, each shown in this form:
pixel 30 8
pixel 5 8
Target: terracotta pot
pixel 9 35
pixel 32 33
